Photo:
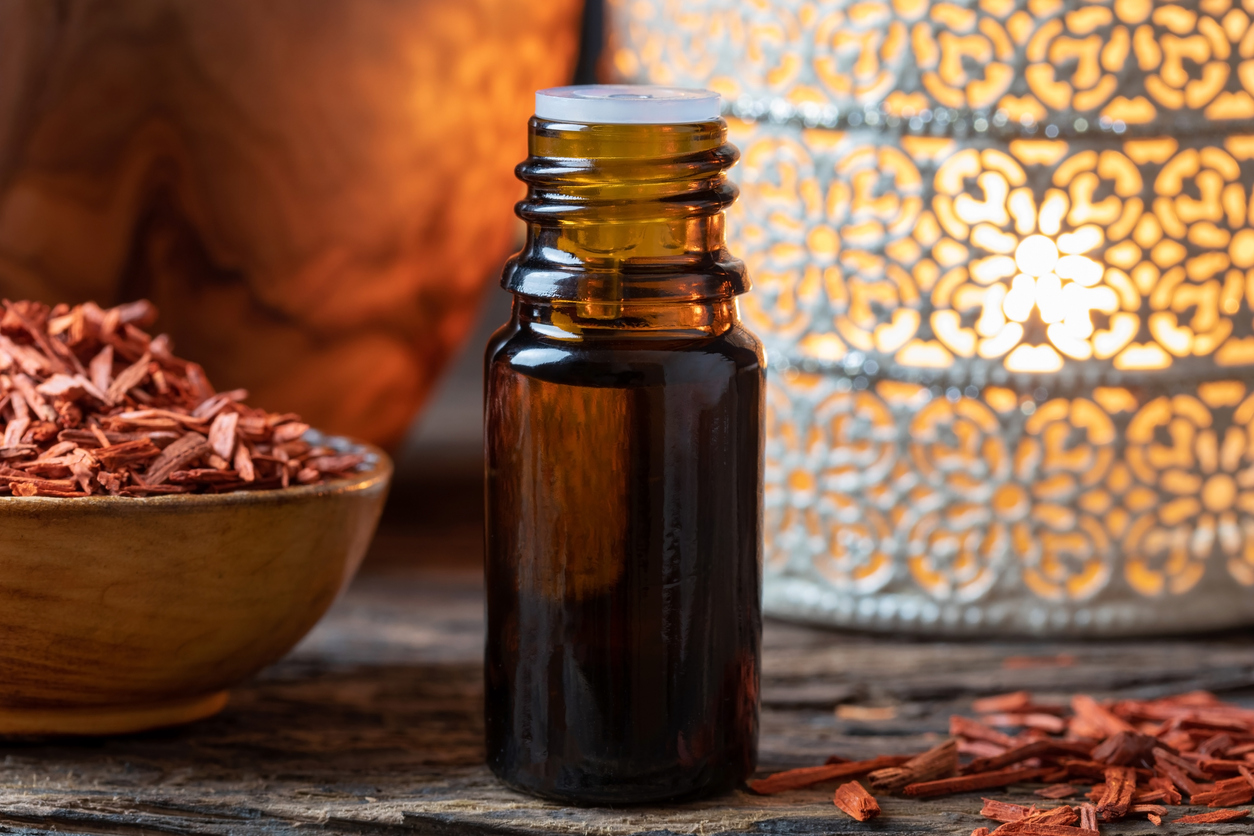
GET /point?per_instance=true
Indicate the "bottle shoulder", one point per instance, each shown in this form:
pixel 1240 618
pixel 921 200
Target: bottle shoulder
pixel 499 339
pixel 651 360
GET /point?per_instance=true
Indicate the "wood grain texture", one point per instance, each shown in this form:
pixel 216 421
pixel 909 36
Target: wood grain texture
pixel 372 726
pixel 313 191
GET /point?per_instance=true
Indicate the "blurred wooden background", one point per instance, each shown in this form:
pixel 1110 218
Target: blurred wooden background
pixel 315 192
pixel 442 455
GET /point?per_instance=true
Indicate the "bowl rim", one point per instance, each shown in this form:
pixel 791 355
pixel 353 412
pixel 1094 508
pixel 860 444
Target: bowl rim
pixel 379 472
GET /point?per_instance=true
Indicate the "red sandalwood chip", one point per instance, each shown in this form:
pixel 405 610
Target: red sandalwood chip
pixel 90 404
pixel 807 776
pixel 852 798
pixel 1211 818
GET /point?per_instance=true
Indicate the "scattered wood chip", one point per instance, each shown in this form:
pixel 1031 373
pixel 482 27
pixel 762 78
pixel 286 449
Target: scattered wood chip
pixel 1125 748
pixel 1057 791
pixel 1013 702
pixel 965 727
pixel 1212 818
pixel 1027 828
pixel 1051 723
pixel 1088 818
pixel 852 798
pixel 939 761
pixel 969 783
pixel 1170 794
pixel 1120 785
pixel 1181 772
pixel 1227 793
pixel 1028 751
pixel 1003 811
pixel 1147 809
pixel 1138 756
pixel 810 775
pixel 1059 815
pixel 1091 716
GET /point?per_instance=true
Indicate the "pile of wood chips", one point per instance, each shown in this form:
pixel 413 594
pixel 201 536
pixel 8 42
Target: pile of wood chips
pixel 1130 758
pixel 91 404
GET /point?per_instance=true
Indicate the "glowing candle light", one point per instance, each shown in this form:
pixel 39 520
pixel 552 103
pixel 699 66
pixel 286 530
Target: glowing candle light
pixel 1036 255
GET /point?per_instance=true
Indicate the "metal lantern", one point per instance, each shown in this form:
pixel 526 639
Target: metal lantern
pixel 1003 259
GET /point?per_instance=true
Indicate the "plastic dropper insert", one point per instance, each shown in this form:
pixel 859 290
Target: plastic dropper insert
pixel 627 104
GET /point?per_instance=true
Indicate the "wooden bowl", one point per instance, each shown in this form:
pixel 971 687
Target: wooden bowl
pixel 120 614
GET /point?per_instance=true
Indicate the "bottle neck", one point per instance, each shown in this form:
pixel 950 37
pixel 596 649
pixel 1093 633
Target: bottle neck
pixel 626 214
pixel 665 319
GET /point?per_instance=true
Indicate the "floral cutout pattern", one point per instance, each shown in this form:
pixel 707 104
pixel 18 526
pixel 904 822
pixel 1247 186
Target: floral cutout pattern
pixel 952 496
pixel 1137 254
pixel 1139 62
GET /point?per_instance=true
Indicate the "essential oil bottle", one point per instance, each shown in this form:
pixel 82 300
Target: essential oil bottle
pixel 624 409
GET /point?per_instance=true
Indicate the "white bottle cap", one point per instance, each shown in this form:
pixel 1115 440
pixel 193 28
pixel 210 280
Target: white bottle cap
pixel 627 104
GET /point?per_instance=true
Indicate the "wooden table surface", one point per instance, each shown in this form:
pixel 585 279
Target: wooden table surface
pixel 372 725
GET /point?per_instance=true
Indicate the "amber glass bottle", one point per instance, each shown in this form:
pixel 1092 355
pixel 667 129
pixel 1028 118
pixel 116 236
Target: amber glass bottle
pixel 624 462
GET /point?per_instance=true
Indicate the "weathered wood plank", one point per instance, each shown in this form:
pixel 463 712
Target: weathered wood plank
pixel 372 726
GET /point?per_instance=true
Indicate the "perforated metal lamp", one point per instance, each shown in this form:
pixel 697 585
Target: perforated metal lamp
pixel 1003 258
